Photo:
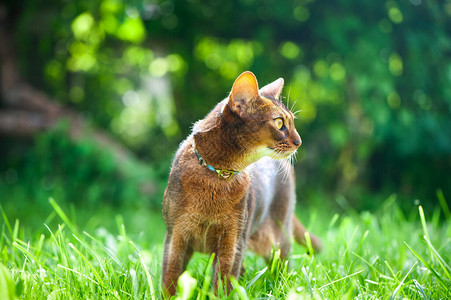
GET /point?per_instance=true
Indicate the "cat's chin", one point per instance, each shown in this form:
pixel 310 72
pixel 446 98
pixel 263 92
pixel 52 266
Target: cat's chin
pixel 279 154
pixel 269 152
pixel 283 155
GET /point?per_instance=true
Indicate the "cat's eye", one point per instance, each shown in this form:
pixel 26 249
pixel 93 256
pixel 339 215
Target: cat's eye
pixel 279 123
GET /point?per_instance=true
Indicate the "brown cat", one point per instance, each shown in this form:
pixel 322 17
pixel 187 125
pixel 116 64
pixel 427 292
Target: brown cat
pixel 225 190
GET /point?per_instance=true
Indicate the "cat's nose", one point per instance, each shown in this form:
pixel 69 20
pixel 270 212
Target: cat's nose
pixel 296 139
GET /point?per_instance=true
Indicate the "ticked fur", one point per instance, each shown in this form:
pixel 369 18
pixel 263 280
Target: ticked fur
pixel 255 208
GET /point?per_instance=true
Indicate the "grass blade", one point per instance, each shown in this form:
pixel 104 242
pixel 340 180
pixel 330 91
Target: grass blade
pixel 104 248
pixel 395 292
pixel 62 215
pixel 96 275
pixel 93 253
pixel 78 273
pixel 308 243
pixel 259 274
pixel 207 279
pixel 446 268
pixel 420 288
pixel 443 204
pixel 6 221
pixel 343 278
pixel 240 291
pixel 148 277
pixel 307 279
pixel 428 266
pixel 423 222
pixel 34 258
pixel 367 263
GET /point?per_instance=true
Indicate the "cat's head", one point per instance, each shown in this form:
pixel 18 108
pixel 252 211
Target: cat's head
pixel 267 126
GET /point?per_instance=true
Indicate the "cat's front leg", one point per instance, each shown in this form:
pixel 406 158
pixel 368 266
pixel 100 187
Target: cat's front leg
pixel 237 263
pixel 238 268
pixel 224 262
pixel 175 257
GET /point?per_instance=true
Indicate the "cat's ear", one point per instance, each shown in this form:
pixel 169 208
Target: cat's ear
pixel 273 89
pixel 244 91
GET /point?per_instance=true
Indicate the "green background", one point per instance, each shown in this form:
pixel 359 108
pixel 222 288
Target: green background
pixel 371 81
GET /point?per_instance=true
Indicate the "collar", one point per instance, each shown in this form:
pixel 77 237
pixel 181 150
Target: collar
pixel 223 174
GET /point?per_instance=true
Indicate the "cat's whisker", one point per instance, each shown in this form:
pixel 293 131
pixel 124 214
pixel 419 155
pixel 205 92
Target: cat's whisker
pixel 281 98
pixel 293 106
pixel 293 157
pixel 296 113
pixel 275 157
pixel 279 169
pixel 288 97
pixel 286 166
pixel 275 153
pixel 284 170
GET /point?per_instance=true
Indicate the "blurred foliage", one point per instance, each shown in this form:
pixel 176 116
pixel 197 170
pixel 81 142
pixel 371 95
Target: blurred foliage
pixel 79 172
pixel 371 81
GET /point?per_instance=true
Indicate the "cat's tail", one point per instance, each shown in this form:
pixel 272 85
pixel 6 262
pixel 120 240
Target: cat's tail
pixel 299 236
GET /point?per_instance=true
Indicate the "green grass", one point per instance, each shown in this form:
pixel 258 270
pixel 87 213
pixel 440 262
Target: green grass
pixel 381 255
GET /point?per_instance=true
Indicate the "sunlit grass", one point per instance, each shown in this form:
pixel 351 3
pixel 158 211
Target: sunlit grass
pixel 380 255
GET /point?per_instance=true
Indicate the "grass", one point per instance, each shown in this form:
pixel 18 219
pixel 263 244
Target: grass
pixel 382 255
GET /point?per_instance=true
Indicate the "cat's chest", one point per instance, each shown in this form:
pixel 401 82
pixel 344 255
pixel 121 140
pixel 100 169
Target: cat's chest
pixel 213 203
pixel 209 218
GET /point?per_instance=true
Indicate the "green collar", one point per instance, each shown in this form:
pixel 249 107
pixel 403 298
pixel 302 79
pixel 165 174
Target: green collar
pixel 223 174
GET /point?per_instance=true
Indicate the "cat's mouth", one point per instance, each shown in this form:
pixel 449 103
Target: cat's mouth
pixel 280 154
pixel 275 152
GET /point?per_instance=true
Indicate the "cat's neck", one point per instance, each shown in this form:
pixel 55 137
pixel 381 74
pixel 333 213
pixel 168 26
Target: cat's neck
pixel 220 148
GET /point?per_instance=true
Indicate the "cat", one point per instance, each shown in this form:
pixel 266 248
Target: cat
pixel 225 191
